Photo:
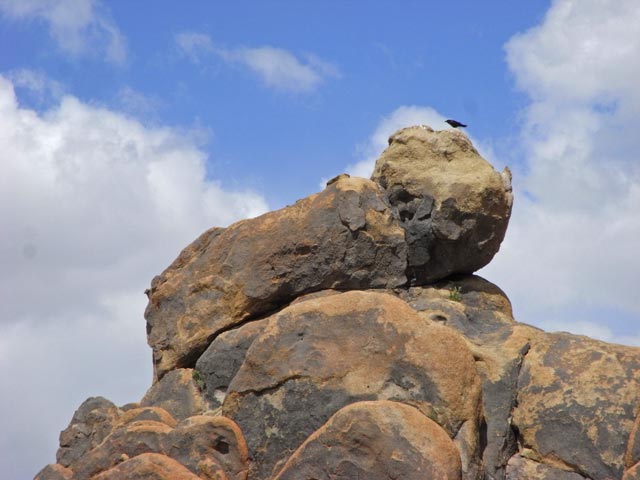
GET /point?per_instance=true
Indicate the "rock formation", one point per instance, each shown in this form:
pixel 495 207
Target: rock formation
pixel 346 337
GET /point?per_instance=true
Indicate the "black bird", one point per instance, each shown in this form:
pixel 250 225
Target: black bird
pixel 455 123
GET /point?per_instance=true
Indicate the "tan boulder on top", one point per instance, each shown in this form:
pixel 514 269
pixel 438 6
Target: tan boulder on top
pixel 452 204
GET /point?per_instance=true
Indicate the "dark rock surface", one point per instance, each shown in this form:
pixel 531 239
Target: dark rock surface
pixel 178 393
pixel 90 425
pixel 224 357
pixel 577 401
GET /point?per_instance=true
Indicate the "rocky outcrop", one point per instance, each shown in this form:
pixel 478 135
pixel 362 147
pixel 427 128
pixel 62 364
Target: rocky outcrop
pixel 453 205
pixel 346 337
pixel 376 440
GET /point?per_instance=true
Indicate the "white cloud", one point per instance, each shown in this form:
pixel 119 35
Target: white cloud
pixel 573 240
pixel 79 27
pixel 43 88
pixel 93 204
pixel 276 67
pixel 195 45
pixel 138 103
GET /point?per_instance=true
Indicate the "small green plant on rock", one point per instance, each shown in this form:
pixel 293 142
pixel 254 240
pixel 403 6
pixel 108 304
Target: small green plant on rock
pixel 455 294
pixel 198 379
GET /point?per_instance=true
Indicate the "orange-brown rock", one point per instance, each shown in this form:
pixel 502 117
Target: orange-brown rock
pixel 632 473
pixel 453 205
pixel 155 414
pixel 178 393
pixel 90 425
pixel 126 441
pixel 344 237
pixel 377 440
pixel 150 466
pixel 632 455
pixel 522 468
pixel 576 404
pixel 54 471
pixel 320 355
pixel 208 445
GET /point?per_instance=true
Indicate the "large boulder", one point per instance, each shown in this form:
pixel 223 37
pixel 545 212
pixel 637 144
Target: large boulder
pixel 91 424
pixel 179 393
pixel 210 446
pixel 576 403
pixel 344 237
pixel 452 204
pixel 377 441
pixel 319 355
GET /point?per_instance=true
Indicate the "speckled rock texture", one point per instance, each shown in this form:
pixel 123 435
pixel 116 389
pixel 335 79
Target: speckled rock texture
pixel 346 337
pixel 453 205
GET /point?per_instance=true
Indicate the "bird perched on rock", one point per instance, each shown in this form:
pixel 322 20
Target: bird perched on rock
pixel 455 123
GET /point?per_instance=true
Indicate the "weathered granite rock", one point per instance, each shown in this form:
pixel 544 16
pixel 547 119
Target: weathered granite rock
pixel 453 205
pixel 577 401
pixel 482 313
pixel 377 441
pixel 178 393
pixel 632 473
pixel 344 237
pixel 90 425
pixel 209 446
pixel 632 454
pixel 224 357
pixel 150 466
pixel 54 471
pixel 155 414
pixel 126 441
pixel 320 355
pixel 522 468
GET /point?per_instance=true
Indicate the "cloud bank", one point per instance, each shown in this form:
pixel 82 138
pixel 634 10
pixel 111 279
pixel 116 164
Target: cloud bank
pixel 93 205
pixel 575 227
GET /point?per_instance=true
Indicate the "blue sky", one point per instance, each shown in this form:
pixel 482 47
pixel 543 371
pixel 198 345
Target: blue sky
pixel 128 128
